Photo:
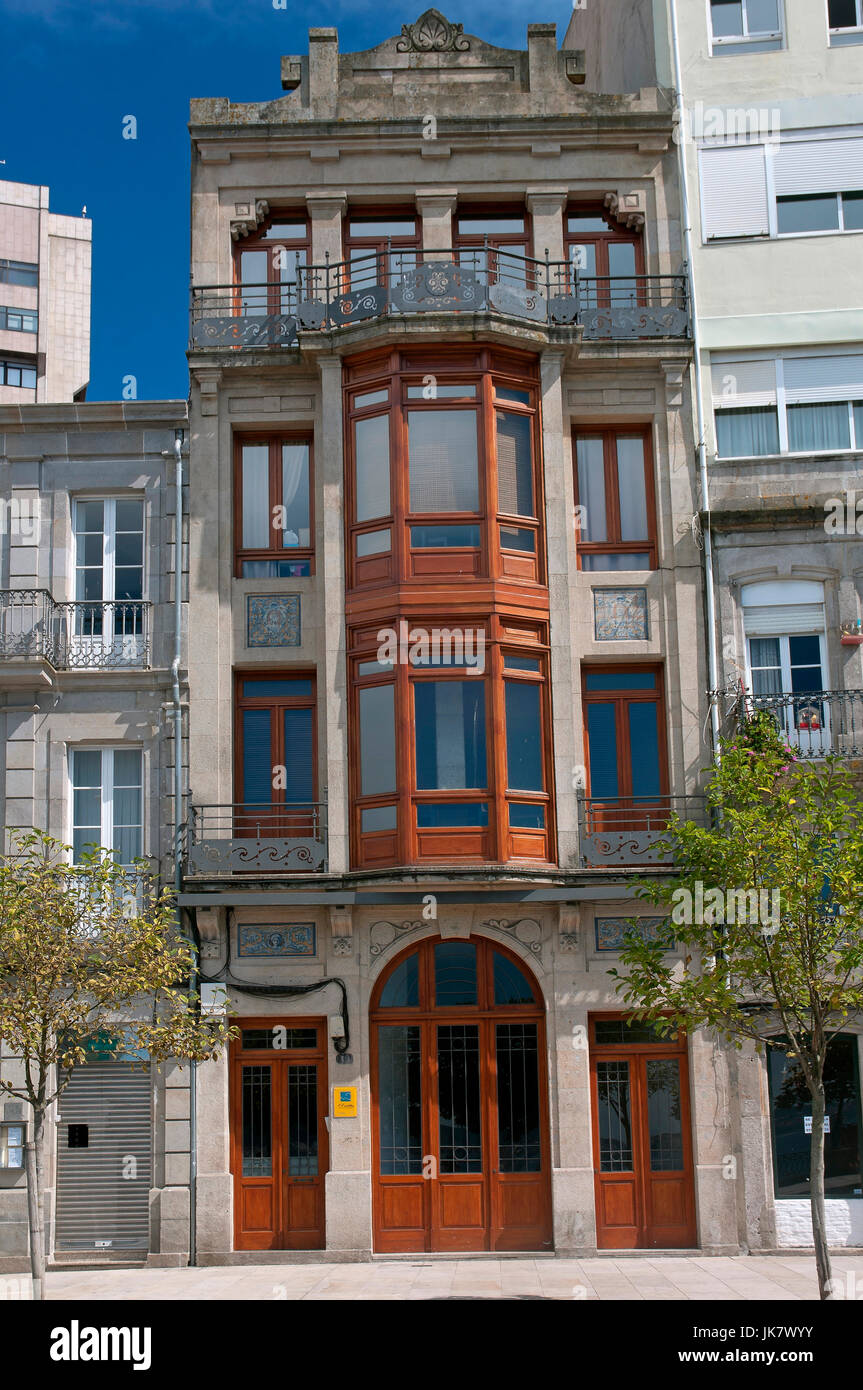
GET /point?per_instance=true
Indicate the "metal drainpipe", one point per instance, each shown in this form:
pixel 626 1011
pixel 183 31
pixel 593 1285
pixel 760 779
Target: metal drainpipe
pixel 178 826
pixel 710 594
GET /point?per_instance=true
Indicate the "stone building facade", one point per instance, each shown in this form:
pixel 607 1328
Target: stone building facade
pixel 87 621
pixel 770 126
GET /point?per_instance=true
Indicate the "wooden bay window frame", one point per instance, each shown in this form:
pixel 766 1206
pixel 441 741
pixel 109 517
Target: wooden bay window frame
pixel 614 544
pixel 512 658
pixel 295 561
pixel 497 541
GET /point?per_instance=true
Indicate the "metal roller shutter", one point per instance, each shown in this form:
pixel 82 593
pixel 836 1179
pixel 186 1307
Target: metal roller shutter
pixel 733 191
pixel 819 166
pixel 103 1187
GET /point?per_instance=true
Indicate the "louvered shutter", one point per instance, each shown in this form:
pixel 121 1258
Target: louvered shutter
pixel 733 191
pixel 299 763
pixel 774 608
pixel 818 166
pixel 102 1196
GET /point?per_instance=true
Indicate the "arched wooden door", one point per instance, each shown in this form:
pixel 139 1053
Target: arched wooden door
pixel 459 1102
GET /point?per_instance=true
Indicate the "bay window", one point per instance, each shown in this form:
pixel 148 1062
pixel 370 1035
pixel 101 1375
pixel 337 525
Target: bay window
pixel 273 507
pixel 451 754
pixel 443 468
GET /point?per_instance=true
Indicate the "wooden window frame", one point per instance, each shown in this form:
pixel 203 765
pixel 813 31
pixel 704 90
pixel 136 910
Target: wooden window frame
pixel 497 842
pixel 243 702
pixel 378 245
pixel 275 440
pixel 623 748
pixel 258 241
pixel 614 545
pixel 601 240
pixel 490 560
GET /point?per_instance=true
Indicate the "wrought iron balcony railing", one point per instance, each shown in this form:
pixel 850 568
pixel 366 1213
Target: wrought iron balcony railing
pixel 813 722
pixel 624 831
pixel 479 279
pixel 103 635
pixel 244 838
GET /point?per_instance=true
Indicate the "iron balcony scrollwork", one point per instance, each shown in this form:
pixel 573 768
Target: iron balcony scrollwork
pixel 242 838
pixel 478 279
pixel 81 635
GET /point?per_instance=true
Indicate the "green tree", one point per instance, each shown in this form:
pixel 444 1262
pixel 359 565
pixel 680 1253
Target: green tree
pixel 87 950
pixel 788 969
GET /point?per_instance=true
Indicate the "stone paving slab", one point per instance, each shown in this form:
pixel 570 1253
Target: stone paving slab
pixel 695 1278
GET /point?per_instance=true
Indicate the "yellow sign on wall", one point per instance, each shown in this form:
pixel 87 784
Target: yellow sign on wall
pixel 344 1101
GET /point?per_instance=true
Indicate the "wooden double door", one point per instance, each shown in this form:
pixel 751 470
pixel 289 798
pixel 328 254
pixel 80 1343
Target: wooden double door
pixel 642 1137
pixel 279 1148
pixel 459 1103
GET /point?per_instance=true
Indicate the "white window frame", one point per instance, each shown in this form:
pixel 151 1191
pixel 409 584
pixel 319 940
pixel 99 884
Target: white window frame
pixel 813 741
pixel 107 751
pixel 744 42
pixel 850 33
pixel 109 541
pixel 725 359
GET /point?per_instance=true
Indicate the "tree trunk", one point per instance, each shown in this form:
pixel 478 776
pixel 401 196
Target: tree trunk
pixel 33 1166
pixel 816 1194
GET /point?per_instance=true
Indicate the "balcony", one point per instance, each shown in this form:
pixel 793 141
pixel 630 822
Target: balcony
pixel 623 831
pixel 812 722
pixel 78 636
pixel 395 284
pixel 257 838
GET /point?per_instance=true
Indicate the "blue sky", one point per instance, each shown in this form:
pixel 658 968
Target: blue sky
pixel 70 70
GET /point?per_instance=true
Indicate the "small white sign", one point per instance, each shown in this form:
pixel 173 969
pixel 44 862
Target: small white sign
pixel 807 1124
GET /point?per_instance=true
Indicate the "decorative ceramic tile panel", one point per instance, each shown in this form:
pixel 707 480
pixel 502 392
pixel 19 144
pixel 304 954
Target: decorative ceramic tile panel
pixel 293 939
pixel 272 620
pixel 610 931
pixel 620 615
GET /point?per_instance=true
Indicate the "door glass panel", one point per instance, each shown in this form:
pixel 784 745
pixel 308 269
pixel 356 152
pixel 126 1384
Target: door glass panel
pixel 644 748
pixel 444 474
pixel 377 740
pixel 449 731
pixel 303 1122
pixel 256 496
pixel 257 757
pixel 514 464
pixel 253 271
pixel 510 984
pixel 455 973
pixel 766 662
pixel 523 737
pixel 665 1129
pixel 591 490
pixel 400 1101
pixel 278 1038
pixel 372 467
pixel 518 1098
pixel 602 749
pixel 459 1098
pixel 805 654
pixel 631 489
pixel 257 1123
pixel 295 495
pixel 615 1117
pixel 402 988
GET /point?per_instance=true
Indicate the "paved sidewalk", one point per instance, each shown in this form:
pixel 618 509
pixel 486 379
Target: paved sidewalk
pixel 783 1278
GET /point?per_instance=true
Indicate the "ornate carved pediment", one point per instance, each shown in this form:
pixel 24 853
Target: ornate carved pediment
pixel 433 33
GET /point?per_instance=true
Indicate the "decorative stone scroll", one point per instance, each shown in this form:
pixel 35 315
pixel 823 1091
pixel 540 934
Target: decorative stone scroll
pixel 432 33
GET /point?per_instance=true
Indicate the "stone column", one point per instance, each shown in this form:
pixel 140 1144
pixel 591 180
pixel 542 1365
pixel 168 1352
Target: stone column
pixel 560 541
pixel 331 589
pixel 436 210
pixel 348 1181
pixel 546 207
pixel 326 211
